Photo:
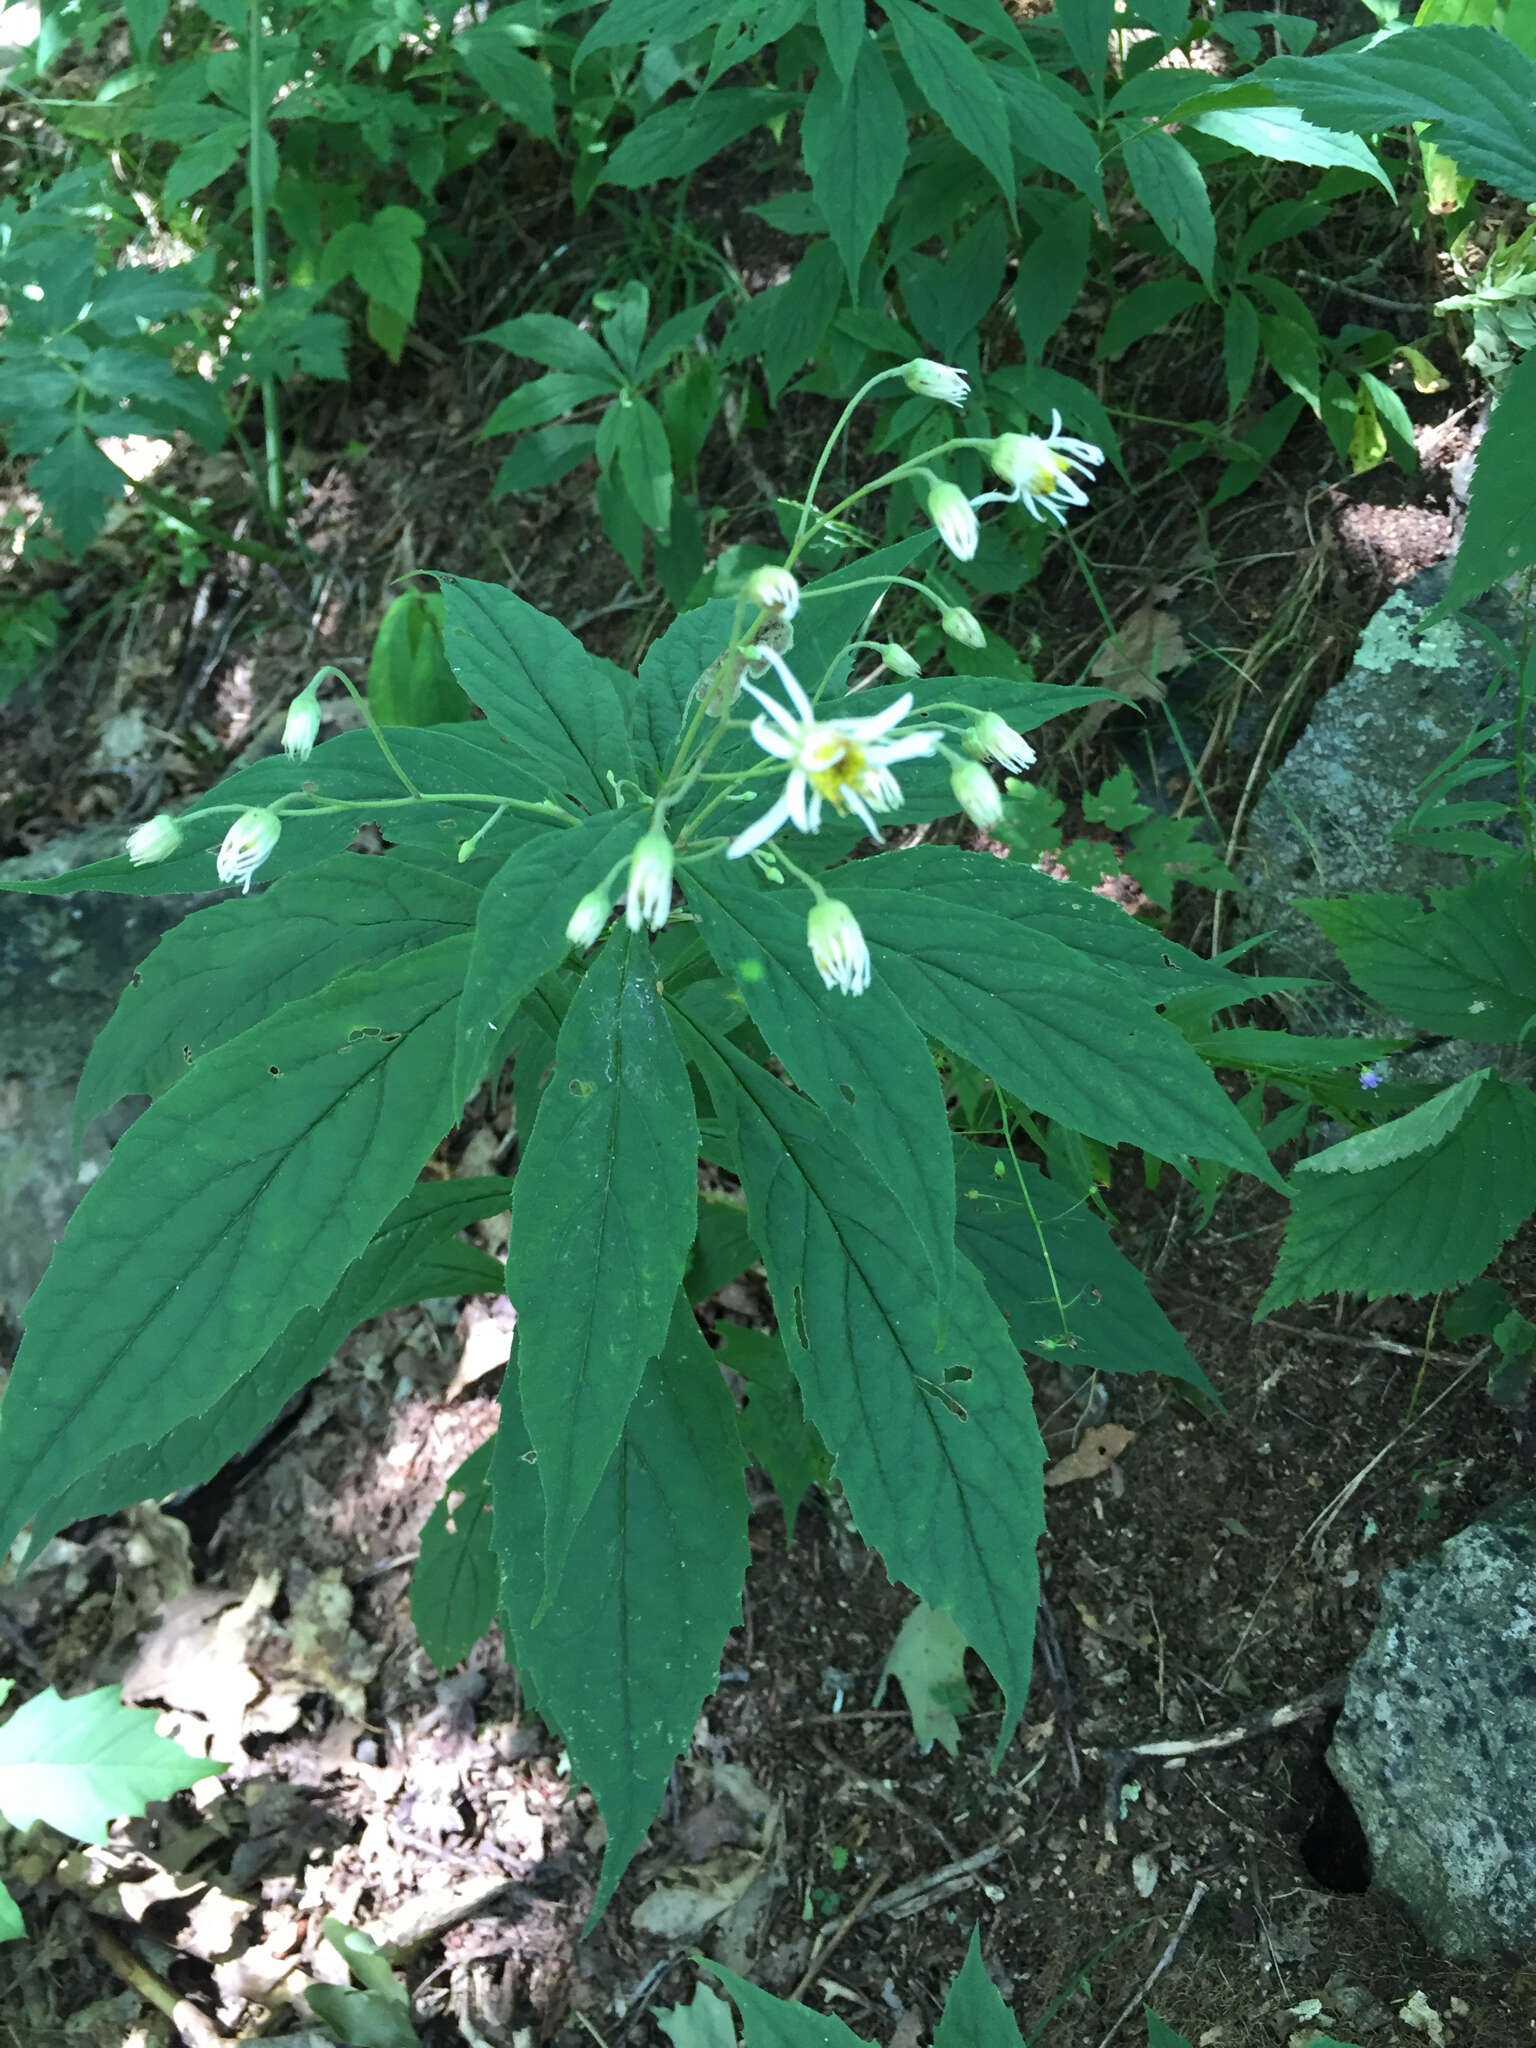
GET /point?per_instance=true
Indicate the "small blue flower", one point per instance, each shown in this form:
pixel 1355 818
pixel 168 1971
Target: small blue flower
pixel 1369 1078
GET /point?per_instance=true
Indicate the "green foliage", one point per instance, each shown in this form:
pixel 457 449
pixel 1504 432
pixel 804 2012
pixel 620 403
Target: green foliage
pixel 454 1586
pixel 409 680
pixel 376 2016
pixel 79 1764
pixel 641 446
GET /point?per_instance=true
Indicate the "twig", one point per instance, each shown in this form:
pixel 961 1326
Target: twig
pixel 194 2026
pixel 1119 1763
pixel 927 1890
pixel 823 1955
pixel 1167 1956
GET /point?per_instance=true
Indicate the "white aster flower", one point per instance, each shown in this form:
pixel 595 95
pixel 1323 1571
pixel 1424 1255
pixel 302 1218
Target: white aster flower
pixel 996 740
pixel 155 840
pixel 837 946
pixel 844 761
pixel 649 897
pixel 774 590
pixel 588 919
pixel 964 626
pixel 247 843
pixel 950 510
pixel 936 380
pixel 302 725
pixel 977 794
pixel 1038 469
pixel 896 658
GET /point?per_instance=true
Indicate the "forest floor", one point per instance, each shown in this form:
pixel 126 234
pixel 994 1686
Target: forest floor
pixel 1197 1569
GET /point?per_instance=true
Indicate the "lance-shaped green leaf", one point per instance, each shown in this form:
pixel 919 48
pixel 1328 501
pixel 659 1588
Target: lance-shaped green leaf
pixel 860 1057
pixel 413 1257
pixel 225 968
pixel 602 1221
pixel 930 1419
pixel 1021 1230
pixel 520 926
pixel 1474 88
pixel 1418 1204
pixel 454 1585
pixel 974 2014
pixel 1044 1022
pixel 237 1199
pixel 12 1926
pixel 1500 536
pixel 1170 185
pixel 772 1417
pixel 628 1653
pixel 82 1763
pixel 1465 967
pixel 959 87
pixel 769 2022
pixel 854 138
pixel 670 673
pixel 536 683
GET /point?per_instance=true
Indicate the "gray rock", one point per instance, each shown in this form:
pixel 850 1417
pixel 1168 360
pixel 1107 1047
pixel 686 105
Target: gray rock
pixel 1324 824
pixel 64 960
pixel 1436 1746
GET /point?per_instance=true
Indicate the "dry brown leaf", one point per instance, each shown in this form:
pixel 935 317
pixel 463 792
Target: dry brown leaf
pixel 486 1329
pixel 1145 651
pixel 1095 1453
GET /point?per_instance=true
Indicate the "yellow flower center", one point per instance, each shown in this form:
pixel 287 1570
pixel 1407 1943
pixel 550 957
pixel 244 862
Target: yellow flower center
pixel 1048 474
pixel 833 763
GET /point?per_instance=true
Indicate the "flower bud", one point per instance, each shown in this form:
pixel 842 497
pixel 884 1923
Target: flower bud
pixel 302 725
pixel 964 626
pixel 155 840
pixel 950 510
pixel 896 658
pixel 247 844
pixel 936 380
pixel 837 945
pixel 649 897
pixel 775 590
pixel 996 740
pixel 977 794
pixel 588 919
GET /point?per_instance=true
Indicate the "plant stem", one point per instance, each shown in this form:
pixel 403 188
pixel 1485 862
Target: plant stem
pixel 256 168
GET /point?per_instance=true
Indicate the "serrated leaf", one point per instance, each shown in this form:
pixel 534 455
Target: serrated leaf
pixel 769 2022
pixel 747 27
pixel 545 398
pixel 1047 130
pixel 1044 1023
pixel 843 30
pixel 414 1256
pixel 1419 1204
pixel 255 1181
pixel 1169 184
pixel 385 259
pixel 202 163
pixel 225 968
pixel 1285 136
pixel 722 1247
pixel 974 2014
pixel 1500 536
pixel 864 1061
pixel 959 87
pixel 82 1763
pixel 1051 274
pixel 454 1586
pixel 602 1221
pixel 688 132
pixel 520 927
pixel 937 1447
pixel 1466 967
pixel 1472 87
pixel 77 484
pixel 1011 1222
pixel 854 140
pixel 646 21
pixel 629 1651
pixel 558 344
pixel 536 683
